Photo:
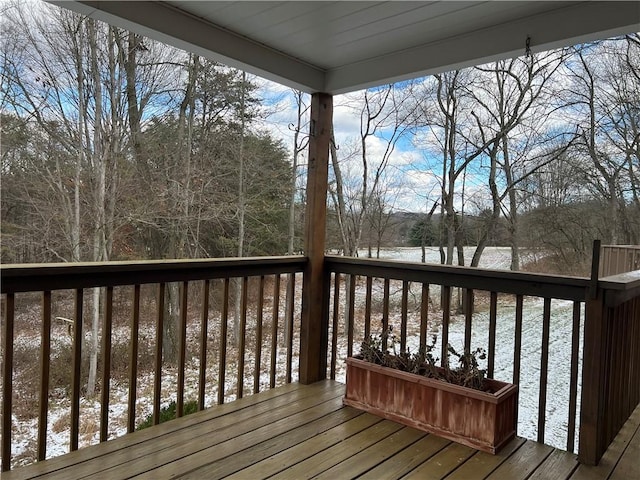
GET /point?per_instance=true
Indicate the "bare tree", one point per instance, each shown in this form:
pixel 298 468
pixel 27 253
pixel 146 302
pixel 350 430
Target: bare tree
pixel 383 115
pixel 602 117
pixel 512 106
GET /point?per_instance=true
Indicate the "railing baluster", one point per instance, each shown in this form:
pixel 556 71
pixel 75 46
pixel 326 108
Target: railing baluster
pixel 517 348
pixel 292 290
pixel 468 318
pixel 403 314
pixel 615 372
pixel 182 347
pixel 204 329
pixel 385 313
pixel 493 313
pixel 133 360
pixel 544 365
pixel 258 354
pixel 446 318
pixel 334 328
pixel 367 307
pixel 106 365
pixel 45 351
pixel 77 361
pixel 157 380
pixel 351 314
pixel 424 315
pixel 573 383
pixel 7 380
pixel 274 330
pixel 222 360
pixel 242 339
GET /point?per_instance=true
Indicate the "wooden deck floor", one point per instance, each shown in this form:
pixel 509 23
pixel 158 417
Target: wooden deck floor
pixel 303 432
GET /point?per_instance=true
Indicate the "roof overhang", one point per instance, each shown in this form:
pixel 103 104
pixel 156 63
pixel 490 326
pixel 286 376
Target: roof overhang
pixel 337 47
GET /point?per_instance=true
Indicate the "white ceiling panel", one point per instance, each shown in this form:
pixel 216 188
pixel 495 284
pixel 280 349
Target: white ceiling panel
pixel 343 46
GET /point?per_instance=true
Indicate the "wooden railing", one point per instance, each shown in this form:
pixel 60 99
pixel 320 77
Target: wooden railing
pixel 555 312
pixel 531 325
pixel 136 304
pixel 611 371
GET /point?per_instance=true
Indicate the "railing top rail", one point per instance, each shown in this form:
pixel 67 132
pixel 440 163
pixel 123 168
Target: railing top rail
pixel 625 247
pixel 58 276
pixel 620 288
pixel 503 281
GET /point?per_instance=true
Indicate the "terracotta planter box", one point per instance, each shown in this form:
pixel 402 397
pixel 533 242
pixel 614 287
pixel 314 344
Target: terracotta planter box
pixel 481 420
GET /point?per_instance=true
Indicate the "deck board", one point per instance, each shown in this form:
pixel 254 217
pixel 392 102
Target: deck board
pixel 326 459
pixel 297 453
pixel 611 458
pixel 271 447
pixel 373 456
pixel 299 431
pixel 557 466
pixel 522 462
pixel 408 459
pixel 219 444
pixel 629 464
pixel 482 464
pixel 442 463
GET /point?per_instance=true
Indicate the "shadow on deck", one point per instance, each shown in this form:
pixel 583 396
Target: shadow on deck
pixel 299 431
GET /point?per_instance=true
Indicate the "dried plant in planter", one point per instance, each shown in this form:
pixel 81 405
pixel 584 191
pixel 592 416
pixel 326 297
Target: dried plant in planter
pixel 467 373
pixel 457 403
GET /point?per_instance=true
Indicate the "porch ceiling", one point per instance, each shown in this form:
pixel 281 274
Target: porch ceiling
pixel 342 46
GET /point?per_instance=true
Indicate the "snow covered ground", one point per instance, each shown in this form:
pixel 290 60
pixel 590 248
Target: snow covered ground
pixel 27 338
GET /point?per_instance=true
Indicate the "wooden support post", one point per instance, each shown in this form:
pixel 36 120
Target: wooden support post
pixel 314 329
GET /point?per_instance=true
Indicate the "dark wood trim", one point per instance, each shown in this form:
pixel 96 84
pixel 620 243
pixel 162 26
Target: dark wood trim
pixel 315 291
pixel 538 285
pixel 334 325
pixel 424 315
pixel 182 347
pixel 385 311
pixel 544 367
pixel 351 296
pixel 106 364
pixel 157 381
pixel 76 369
pixel 288 329
pixel 573 385
pixel 242 339
pixel 259 339
pixel 45 354
pixel 404 316
pixel 133 360
pixel 593 373
pixel 7 380
pixel 59 276
pixel 204 334
pixel 274 330
pixel 222 360
pixel 493 314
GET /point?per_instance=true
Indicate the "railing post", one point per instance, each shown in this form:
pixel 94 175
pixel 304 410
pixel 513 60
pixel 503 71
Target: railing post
pixel 594 370
pixel 611 363
pixel 593 378
pixel 314 329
